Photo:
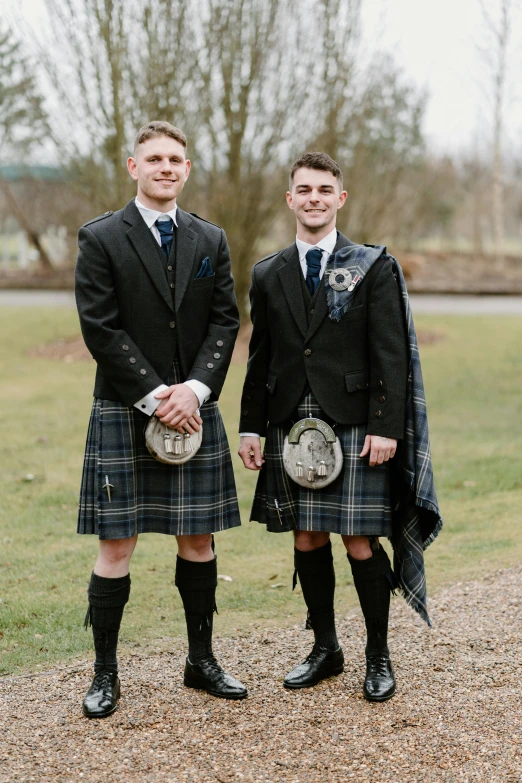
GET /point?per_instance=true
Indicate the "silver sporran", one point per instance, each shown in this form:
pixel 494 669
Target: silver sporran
pixel 170 446
pixel 312 454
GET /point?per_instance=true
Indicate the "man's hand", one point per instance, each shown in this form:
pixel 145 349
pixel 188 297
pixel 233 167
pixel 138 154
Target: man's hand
pixel 178 409
pixel 250 452
pixel 380 449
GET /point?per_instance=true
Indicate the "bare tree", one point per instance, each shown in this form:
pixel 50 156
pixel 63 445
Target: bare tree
pixel 495 55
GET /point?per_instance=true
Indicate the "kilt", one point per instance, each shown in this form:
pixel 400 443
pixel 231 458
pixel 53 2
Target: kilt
pixel 357 503
pixel 149 496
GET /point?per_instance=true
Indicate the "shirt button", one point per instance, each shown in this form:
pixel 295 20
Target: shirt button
pixel 143 372
pixel 125 347
pixel 169 268
pixel 220 343
pixel 132 360
pixel 217 356
pixel 382 398
pixel 378 413
pixel 172 324
pixel 312 311
pixel 307 352
pixel 380 383
pixel 172 285
pixel 210 365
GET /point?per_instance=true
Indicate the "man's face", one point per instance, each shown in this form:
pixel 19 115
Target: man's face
pixel 160 169
pixel 315 198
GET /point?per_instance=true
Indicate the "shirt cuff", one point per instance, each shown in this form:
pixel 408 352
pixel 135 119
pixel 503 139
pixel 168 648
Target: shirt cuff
pixel 149 403
pixel 201 390
pixel 249 434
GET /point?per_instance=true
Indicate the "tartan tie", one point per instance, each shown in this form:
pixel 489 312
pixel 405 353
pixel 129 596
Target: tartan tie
pixel 313 268
pixel 166 229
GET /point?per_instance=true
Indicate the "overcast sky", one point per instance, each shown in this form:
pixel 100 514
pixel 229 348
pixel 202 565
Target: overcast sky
pixel 435 43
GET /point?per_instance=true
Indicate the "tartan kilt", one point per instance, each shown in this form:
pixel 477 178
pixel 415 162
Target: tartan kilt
pixel 149 496
pixel 357 503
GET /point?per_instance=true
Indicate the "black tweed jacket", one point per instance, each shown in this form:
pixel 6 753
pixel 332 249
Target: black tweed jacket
pixel 356 368
pixel 134 324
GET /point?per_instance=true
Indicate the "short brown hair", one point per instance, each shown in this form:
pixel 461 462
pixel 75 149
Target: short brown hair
pixel 159 128
pixel 317 160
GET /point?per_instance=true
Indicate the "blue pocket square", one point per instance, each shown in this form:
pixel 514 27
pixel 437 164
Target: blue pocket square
pixel 205 270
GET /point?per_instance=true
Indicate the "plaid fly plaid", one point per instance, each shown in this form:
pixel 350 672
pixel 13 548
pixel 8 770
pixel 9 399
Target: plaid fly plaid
pixel 148 496
pixel 416 517
pixel 357 503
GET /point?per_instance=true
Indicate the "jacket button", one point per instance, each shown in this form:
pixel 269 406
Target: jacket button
pixel 308 351
pixel 251 384
pixel 143 372
pixel 246 398
pixel 312 311
pixel 132 360
pixel 378 413
pixel 210 365
pixel 220 343
pixel 217 356
pixel 382 398
pixel 125 347
pixel 380 383
pixel 358 387
pixel 172 324
pixel 244 412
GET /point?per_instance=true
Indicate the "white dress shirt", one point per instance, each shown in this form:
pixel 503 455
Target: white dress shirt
pixel 326 244
pixel 149 403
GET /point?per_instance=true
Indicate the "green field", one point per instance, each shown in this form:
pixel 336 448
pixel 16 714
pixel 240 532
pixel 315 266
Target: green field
pixel 473 380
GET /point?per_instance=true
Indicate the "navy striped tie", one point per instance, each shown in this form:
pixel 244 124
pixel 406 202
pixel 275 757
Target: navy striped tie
pixel 313 268
pixel 166 229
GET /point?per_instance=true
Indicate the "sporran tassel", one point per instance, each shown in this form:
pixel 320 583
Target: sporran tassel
pixel 167 442
pixel 322 468
pixel 187 444
pixel 311 473
pixel 299 469
pixel 178 444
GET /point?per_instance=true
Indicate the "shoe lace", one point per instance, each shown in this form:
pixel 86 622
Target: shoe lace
pixel 102 680
pixel 211 663
pixel 378 665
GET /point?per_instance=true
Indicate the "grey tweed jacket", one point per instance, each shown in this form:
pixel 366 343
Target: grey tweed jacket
pixel 134 324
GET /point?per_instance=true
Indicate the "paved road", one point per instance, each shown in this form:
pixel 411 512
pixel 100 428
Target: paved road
pixel 421 303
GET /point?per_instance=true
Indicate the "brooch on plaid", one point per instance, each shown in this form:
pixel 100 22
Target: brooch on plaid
pixel 344 271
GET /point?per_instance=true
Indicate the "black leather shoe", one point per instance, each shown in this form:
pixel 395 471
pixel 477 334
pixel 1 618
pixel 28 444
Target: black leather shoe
pixel 207 675
pixel 379 684
pixel 102 697
pixel 321 663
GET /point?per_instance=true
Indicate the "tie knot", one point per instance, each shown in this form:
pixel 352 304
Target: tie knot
pixel 166 229
pixel 314 258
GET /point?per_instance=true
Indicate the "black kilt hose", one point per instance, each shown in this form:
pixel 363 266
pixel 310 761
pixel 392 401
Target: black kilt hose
pixel 357 503
pixel 149 496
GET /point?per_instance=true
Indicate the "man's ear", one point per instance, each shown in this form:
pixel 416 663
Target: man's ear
pixel 131 167
pixel 289 199
pixel 342 198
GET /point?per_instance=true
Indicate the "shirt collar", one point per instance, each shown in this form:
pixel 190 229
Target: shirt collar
pixel 326 243
pixel 151 215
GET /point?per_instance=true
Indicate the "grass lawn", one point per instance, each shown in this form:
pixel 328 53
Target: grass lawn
pixel 473 380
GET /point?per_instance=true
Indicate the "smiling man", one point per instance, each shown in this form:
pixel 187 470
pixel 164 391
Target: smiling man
pixel 157 309
pixel 329 345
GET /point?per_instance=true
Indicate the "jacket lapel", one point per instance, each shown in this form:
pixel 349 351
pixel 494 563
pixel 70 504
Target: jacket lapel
pixel 142 241
pixel 321 304
pixel 186 241
pixel 289 275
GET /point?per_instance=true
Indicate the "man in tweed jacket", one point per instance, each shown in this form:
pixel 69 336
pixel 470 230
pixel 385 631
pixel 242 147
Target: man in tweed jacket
pixel 157 309
pixel 351 372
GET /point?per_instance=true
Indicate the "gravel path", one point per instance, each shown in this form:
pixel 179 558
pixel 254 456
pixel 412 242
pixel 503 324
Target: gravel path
pixel 457 715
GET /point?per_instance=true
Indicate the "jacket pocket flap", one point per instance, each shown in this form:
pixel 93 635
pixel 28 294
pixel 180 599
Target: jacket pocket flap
pixel 357 381
pixel 271 383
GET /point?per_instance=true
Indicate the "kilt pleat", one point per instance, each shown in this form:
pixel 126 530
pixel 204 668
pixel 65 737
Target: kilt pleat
pixel 148 496
pixel 356 503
